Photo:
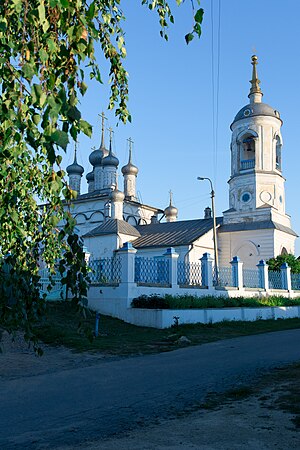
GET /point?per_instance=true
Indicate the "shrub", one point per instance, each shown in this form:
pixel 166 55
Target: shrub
pixel 291 260
pixel 155 301
pixel 152 301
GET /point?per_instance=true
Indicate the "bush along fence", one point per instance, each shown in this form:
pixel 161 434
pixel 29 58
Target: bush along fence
pixel 167 272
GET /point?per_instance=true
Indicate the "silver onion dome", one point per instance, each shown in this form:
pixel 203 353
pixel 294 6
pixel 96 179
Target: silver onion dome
pixel 117 196
pixel 129 169
pixel 171 211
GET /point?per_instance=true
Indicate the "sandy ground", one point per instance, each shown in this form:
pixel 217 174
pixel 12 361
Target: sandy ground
pixel 257 422
pixel 18 360
pixel 254 423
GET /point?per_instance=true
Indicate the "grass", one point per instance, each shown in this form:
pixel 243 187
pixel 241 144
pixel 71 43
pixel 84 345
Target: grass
pixel 192 302
pixel 60 327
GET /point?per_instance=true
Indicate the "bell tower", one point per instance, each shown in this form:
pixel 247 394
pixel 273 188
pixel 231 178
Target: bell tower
pixel 256 183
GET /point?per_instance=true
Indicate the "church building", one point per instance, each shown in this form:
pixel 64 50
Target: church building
pixel 254 227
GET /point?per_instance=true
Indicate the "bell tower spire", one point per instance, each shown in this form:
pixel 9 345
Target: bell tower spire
pixel 255 93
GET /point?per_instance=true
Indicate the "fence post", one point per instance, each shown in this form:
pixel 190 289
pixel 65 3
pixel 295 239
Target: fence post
pixel 172 257
pixel 263 274
pixel 286 276
pixel 237 272
pixel 207 270
pixel 127 257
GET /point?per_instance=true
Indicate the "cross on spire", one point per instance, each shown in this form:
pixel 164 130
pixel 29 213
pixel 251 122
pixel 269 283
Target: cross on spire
pixel 75 153
pixel 130 141
pixel 103 129
pixel 171 197
pixel 110 139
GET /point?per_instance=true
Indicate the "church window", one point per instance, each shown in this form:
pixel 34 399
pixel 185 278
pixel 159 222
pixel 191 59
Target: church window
pixel 247 112
pixel 278 153
pixel 246 197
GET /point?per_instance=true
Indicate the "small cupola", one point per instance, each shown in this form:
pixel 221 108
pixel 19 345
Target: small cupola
pixel 110 159
pixel 90 178
pixel 171 212
pixel 130 172
pixel 75 172
pixel 95 157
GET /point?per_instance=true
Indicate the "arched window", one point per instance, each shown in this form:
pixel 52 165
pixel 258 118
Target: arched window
pixel 284 251
pixel 278 153
pixel 247 149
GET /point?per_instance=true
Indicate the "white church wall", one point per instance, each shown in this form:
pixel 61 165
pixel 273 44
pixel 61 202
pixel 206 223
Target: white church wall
pixel 204 244
pixel 101 246
pixel 283 241
pixel 250 246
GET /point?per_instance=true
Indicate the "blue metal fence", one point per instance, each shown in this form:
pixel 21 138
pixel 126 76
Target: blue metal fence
pixel 295 279
pixel 251 278
pixel 224 277
pixel 275 279
pixel 189 274
pixel 105 270
pixel 152 271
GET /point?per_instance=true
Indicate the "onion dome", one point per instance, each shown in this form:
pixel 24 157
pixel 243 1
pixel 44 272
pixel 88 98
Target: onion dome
pixel 96 157
pixel 130 169
pixel 117 196
pixel 90 177
pixel 110 159
pixel 75 168
pixel 171 212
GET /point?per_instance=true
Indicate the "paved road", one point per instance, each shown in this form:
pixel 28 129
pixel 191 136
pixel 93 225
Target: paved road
pixel 111 397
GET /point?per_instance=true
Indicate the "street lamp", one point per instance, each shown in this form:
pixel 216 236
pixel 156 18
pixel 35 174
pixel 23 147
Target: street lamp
pixel 212 194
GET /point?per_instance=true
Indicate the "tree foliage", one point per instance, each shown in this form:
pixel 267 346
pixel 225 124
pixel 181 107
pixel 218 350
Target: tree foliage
pixel 47 49
pixel 291 260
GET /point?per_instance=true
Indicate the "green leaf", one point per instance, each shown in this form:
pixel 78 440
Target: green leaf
pixel 85 127
pixel 199 15
pixel 29 71
pixel 74 113
pixel 60 138
pixel 189 37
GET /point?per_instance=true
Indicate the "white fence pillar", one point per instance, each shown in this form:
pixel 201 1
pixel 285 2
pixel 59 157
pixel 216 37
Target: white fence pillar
pixel 127 258
pixel 207 270
pixel 286 276
pixel 263 274
pixel 237 272
pixel 172 257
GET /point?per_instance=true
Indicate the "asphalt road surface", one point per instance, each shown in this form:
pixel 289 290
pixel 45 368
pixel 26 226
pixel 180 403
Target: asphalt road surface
pixel 112 397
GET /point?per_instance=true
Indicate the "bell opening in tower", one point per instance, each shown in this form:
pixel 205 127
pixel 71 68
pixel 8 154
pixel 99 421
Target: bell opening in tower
pixel 248 153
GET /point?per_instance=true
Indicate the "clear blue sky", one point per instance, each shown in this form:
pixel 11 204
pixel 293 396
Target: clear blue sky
pixel 171 98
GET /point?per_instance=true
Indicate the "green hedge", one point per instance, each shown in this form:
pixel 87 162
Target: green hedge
pixel 192 302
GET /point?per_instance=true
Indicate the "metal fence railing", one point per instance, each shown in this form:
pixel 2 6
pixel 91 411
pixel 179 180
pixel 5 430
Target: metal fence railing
pixel 189 274
pixel 295 280
pixel 152 271
pixel 224 277
pixel 275 279
pixel 251 278
pixel 105 270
